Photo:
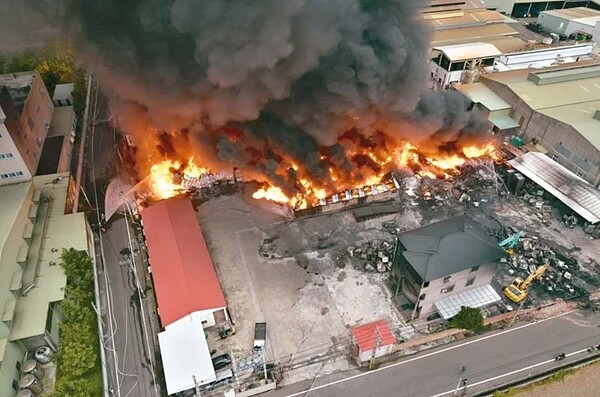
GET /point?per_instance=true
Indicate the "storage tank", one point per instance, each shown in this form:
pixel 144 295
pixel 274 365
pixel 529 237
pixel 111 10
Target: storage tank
pixel 28 381
pixel 25 393
pixel 34 368
pixel 43 354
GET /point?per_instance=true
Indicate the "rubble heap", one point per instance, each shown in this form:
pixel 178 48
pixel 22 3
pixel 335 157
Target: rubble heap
pixel 561 280
pixel 372 255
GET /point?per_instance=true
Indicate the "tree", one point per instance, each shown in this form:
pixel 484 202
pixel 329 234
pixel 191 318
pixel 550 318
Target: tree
pixel 468 318
pixel 78 360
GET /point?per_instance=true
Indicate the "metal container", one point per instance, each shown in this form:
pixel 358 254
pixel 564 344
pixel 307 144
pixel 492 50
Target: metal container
pixel 25 393
pixel 32 367
pixel 43 354
pixel 28 381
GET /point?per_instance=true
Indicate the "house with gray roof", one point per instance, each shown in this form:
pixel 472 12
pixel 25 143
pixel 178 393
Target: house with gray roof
pixel 446 265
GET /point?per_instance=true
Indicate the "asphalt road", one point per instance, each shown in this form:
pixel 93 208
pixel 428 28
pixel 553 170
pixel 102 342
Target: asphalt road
pixel 128 336
pixel 491 360
pixel 134 350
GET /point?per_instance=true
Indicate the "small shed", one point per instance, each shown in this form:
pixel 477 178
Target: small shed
pixel 372 340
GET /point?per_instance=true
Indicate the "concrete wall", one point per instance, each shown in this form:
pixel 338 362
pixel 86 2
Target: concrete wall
pixel 29 127
pixel 206 316
pixel 8 368
pixel 553 23
pixel 575 26
pixel 566 146
pixel 38 109
pixel 434 291
pixel 442 77
pixel 8 259
pixel 12 166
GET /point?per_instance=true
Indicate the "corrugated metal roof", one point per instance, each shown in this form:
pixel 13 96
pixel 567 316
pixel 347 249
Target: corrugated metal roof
pixel 365 335
pixel 182 269
pixel 56 230
pixel 568 93
pixel 477 33
pixel 462 52
pixel 475 298
pixel 480 93
pixel 450 246
pixel 577 194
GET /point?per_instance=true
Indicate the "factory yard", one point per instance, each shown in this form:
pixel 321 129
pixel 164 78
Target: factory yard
pixel 307 300
pixel 305 279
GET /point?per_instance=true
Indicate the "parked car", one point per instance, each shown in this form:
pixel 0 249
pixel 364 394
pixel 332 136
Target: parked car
pixel 534 27
pixel 222 361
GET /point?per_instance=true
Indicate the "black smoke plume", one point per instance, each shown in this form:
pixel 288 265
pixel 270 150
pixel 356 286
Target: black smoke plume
pixel 290 76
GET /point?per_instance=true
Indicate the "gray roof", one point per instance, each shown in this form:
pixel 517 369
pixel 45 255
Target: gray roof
pixel 448 247
pixel 577 194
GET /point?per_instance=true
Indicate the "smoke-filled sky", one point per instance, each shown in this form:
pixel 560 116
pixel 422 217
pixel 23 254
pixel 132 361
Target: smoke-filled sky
pixel 288 76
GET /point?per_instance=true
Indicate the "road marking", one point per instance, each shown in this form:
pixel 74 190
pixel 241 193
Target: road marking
pixel 510 373
pixel 426 355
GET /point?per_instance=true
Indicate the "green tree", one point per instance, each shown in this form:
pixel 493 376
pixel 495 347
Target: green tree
pixel 468 318
pixel 78 360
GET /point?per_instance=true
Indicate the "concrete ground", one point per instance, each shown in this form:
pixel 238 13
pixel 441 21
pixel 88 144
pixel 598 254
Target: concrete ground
pixel 309 297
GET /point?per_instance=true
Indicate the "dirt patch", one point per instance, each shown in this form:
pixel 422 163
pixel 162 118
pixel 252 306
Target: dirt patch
pixel 583 383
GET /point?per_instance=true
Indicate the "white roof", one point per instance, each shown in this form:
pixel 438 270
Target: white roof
pixel 573 191
pixel 63 91
pixel 462 52
pixel 185 356
pixel 545 57
pixel 475 298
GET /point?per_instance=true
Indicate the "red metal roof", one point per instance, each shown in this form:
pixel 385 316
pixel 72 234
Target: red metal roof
pixel 184 276
pixel 365 336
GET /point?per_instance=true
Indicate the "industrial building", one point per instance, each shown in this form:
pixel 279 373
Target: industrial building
pixel 556 108
pixel 460 63
pixel 25 115
pixel 35 226
pixel 532 8
pixel 188 292
pixel 572 20
pixel 58 146
pixel 454 258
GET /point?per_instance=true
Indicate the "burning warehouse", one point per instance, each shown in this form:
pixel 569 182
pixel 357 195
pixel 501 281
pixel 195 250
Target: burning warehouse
pixel 311 99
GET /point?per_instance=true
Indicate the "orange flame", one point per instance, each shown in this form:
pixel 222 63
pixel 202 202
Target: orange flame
pixel 164 177
pixel 167 176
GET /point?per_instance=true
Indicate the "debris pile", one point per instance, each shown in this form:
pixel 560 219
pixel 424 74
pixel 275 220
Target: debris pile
pixel 561 278
pixel 372 256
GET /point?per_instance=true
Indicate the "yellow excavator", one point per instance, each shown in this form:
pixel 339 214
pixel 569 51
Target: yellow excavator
pixel 517 291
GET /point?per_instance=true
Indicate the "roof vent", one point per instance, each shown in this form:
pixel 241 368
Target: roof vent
pixel 597 114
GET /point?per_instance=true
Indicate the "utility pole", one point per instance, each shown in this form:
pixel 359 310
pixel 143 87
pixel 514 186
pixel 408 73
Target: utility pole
pixel 196 387
pixel 461 381
pixel 375 348
pixel 514 317
pixel 233 365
